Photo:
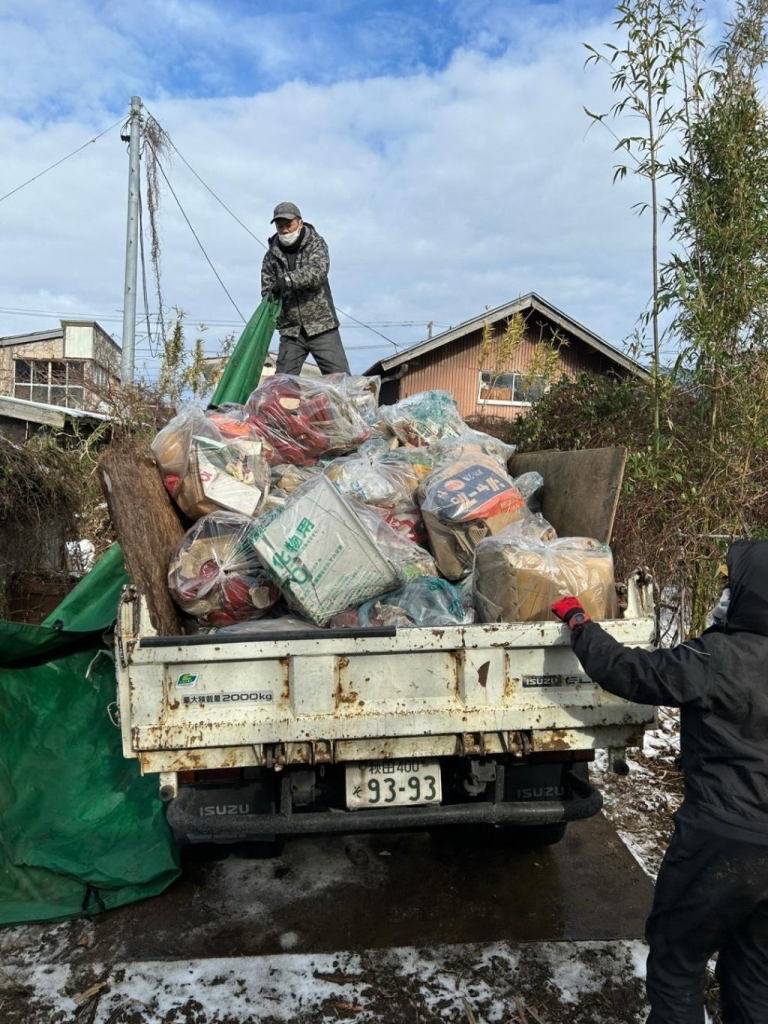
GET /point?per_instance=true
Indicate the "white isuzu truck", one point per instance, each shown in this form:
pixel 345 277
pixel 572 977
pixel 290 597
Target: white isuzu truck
pixel 344 730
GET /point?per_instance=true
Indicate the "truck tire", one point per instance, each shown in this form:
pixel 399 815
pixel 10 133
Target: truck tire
pixel 532 837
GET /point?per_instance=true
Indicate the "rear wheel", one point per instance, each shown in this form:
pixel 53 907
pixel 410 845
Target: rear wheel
pixel 532 837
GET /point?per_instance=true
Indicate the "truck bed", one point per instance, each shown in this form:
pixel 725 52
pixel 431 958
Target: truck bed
pixel 328 696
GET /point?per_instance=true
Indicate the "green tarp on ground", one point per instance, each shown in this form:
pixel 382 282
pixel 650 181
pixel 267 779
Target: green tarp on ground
pixel 80 830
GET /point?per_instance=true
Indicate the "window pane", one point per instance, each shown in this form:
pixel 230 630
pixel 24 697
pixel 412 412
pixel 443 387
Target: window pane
pixel 58 395
pixel 496 387
pixel 41 370
pixel 22 391
pixel 22 370
pixel 58 373
pixel 39 394
pixel 75 398
pixel 75 373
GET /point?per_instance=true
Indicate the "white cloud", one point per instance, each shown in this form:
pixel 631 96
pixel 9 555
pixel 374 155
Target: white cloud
pixel 440 192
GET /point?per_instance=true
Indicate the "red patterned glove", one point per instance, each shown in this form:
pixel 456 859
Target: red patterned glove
pixel 568 609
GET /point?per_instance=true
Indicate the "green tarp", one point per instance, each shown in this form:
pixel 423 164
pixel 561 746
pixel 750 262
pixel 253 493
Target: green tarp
pixel 80 830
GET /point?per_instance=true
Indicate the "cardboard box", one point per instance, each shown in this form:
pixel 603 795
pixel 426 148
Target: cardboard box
pixel 517 582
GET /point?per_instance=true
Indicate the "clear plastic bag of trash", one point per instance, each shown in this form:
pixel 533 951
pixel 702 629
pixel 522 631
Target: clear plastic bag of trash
pixel 371 481
pixel 205 470
pixel 531 486
pixel 469 439
pixel 214 574
pixel 425 601
pixel 328 553
pixel 467 497
pixel 423 418
pixel 409 558
pixel 523 569
pixel 305 418
pixel 362 392
pixel 386 482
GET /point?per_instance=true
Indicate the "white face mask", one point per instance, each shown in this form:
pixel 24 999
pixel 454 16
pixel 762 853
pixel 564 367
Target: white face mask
pixel 290 237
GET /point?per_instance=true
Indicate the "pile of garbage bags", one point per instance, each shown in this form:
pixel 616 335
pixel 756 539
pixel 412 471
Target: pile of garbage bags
pixel 310 504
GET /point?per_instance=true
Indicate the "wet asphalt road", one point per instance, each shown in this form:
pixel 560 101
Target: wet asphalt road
pixel 322 894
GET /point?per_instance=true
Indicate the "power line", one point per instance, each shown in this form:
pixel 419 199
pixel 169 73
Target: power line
pixel 194 233
pixel 73 153
pixel 209 322
pixel 361 324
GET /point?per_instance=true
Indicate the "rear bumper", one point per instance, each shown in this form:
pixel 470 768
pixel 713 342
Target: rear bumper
pixel 585 802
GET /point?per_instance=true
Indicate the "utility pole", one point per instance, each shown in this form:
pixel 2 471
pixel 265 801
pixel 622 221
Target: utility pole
pixel 131 243
pixel 430 325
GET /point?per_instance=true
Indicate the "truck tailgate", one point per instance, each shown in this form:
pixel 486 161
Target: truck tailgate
pixel 226 701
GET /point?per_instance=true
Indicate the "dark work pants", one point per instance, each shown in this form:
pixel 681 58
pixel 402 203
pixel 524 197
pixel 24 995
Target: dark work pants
pixel 326 348
pixel 711 896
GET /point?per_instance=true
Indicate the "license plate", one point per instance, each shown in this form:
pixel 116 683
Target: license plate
pixel 393 784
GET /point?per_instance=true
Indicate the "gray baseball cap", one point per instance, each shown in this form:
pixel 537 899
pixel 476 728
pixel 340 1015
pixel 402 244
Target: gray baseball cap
pixel 286 211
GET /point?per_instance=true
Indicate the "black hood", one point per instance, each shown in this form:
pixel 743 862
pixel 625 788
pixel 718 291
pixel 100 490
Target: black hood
pixel 747 562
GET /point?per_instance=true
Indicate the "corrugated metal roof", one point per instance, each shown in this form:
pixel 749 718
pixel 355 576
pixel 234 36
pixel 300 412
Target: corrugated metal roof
pixel 529 301
pixel 23 339
pixel 55 333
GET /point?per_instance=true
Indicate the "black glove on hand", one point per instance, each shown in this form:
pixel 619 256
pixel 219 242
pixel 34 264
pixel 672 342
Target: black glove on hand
pixel 277 288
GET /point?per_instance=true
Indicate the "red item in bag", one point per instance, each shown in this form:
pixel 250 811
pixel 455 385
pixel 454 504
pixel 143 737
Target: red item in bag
pixel 305 419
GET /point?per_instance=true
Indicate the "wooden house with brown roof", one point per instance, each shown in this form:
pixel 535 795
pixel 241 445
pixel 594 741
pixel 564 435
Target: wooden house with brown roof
pixel 454 360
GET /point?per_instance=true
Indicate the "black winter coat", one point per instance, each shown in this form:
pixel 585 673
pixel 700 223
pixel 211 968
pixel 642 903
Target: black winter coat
pixel 720 682
pixel 307 301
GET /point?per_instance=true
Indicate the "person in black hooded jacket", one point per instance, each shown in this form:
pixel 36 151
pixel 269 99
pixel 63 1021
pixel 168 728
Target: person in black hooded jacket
pixel 712 890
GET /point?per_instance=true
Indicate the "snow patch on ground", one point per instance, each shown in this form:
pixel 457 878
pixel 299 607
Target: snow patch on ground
pixel 497 983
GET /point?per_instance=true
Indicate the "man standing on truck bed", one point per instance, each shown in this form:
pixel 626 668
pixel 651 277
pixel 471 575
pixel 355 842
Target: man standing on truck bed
pixel 712 890
pixel 295 268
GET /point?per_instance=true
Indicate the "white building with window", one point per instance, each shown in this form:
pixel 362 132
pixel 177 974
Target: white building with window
pixel 73 366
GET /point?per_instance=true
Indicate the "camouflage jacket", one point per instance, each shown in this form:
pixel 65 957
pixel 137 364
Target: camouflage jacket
pixel 307 301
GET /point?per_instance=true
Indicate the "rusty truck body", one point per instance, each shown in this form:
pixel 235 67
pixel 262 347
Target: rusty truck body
pixel 253 736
